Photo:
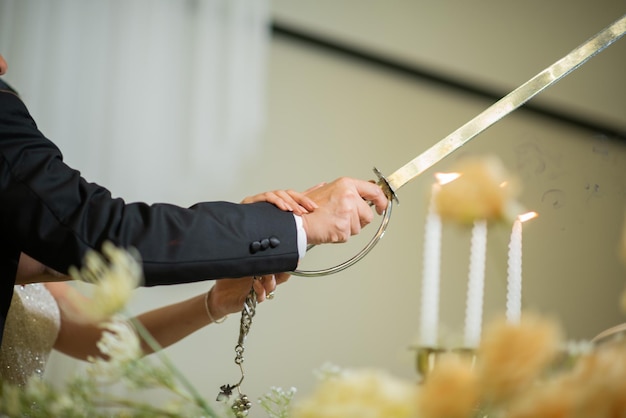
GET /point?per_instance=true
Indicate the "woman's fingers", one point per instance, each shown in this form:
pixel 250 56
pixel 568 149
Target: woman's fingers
pixel 287 200
pixel 265 287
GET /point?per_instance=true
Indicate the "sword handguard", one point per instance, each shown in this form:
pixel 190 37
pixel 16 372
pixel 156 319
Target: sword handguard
pixel 384 184
pixel 391 196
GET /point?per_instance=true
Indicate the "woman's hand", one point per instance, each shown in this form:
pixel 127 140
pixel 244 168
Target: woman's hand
pixel 229 295
pixel 287 200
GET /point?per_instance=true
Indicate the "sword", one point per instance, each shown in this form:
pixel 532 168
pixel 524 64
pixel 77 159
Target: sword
pixel 478 124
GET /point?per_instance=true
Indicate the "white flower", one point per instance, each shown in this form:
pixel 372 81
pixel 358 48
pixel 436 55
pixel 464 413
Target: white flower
pixel 61 403
pixel 577 348
pixel 360 394
pixel 327 370
pixel 119 346
pixel 114 278
pixel 276 402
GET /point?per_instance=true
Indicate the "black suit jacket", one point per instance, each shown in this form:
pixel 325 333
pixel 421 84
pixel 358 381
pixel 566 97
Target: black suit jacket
pixel 48 211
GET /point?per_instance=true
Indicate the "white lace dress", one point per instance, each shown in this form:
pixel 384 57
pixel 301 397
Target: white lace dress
pixel 30 331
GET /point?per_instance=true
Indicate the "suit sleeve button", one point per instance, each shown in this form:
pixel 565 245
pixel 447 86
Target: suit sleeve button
pixel 274 242
pixel 265 244
pixel 255 246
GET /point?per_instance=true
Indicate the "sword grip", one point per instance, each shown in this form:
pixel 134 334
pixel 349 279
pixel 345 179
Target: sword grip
pixel 391 196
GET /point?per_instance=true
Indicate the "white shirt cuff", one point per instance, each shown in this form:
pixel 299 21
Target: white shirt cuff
pixel 301 236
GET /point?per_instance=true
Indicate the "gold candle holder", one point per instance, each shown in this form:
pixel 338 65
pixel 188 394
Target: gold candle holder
pixel 426 358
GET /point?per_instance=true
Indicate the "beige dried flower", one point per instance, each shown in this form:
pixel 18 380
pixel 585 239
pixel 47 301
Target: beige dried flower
pixel 595 387
pixel 513 355
pixel 483 190
pixel 555 399
pixel 601 379
pixel 358 394
pixel 450 391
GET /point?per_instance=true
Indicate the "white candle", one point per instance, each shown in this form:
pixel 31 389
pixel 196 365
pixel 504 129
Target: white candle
pixel 430 274
pixel 514 275
pixel 514 269
pixel 476 284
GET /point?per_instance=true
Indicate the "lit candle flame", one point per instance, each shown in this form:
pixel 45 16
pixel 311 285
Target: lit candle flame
pixel 527 216
pixel 444 178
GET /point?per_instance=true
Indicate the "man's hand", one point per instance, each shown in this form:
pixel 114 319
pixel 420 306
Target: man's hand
pixel 343 209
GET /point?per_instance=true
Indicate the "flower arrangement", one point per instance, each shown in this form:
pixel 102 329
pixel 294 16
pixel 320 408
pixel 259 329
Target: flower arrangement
pixel 514 375
pixel 86 395
pixel 114 274
pixel 520 369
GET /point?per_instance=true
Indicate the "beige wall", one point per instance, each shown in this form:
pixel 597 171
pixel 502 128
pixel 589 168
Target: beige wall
pixel 329 117
pixel 492 43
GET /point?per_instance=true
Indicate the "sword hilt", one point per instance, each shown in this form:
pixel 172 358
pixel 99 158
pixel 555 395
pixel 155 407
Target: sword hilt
pixel 384 184
pixel 391 196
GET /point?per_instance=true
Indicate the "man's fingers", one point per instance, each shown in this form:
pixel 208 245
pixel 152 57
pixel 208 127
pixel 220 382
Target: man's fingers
pixel 372 193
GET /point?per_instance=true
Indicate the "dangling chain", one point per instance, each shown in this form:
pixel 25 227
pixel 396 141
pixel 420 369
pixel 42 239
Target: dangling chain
pixel 242 404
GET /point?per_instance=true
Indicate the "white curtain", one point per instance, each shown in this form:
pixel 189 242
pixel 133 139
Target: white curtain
pixel 155 99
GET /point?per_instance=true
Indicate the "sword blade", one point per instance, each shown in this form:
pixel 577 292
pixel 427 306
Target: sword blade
pixel 506 105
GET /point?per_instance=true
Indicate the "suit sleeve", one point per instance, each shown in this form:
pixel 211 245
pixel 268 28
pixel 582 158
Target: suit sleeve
pixel 53 214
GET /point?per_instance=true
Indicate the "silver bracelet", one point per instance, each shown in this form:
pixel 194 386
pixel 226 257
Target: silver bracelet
pixel 208 311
